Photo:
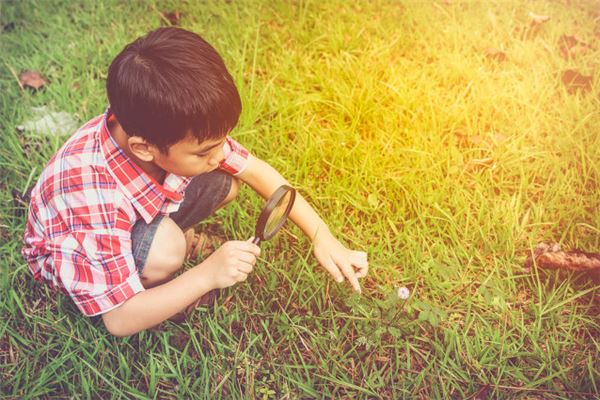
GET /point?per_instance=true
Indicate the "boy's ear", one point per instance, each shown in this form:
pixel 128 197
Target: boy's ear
pixel 141 149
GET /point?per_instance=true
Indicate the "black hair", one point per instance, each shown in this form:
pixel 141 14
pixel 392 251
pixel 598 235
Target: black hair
pixel 170 82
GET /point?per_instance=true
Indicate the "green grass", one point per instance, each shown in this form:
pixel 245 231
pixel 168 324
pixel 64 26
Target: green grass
pixel 375 111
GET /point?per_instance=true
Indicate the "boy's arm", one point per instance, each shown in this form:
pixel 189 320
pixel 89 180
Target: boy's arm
pixel 153 306
pixel 331 254
pixel 229 264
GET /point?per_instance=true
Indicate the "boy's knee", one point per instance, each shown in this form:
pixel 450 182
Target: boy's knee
pixel 233 191
pixel 166 255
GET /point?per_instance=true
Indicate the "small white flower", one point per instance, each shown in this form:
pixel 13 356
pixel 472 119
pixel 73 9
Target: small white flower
pixel 403 293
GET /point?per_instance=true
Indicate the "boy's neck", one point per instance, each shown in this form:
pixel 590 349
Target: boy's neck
pixel 121 137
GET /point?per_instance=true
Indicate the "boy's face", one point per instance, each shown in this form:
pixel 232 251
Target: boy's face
pixel 189 158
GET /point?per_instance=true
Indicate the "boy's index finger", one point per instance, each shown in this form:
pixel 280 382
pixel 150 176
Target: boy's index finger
pixel 351 275
pixel 354 282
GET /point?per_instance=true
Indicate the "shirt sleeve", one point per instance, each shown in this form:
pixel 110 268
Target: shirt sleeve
pixel 96 270
pixel 236 157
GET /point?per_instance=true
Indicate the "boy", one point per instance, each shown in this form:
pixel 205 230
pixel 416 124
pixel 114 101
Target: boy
pixel 107 217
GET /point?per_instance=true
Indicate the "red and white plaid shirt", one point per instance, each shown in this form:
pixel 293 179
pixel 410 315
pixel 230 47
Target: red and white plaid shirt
pixel 89 196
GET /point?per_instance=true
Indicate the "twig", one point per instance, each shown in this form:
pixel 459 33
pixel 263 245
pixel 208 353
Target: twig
pixel 16 76
pixel 549 256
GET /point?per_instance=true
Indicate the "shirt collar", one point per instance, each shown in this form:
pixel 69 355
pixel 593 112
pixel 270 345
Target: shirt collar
pixel 147 196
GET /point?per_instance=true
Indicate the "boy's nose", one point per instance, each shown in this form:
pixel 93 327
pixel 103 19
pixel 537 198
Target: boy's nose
pixel 218 157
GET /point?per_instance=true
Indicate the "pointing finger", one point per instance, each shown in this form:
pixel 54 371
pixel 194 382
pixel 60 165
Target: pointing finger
pixel 347 269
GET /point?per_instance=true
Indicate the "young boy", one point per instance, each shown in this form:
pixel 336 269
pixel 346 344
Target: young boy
pixel 107 217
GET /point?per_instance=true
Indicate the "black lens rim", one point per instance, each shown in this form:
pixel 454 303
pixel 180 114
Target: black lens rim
pixel 261 224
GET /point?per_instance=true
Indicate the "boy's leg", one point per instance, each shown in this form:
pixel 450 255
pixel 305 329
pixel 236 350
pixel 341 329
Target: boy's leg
pixel 204 195
pixel 159 248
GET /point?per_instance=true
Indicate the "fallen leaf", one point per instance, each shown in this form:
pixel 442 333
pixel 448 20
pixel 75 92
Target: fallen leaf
pixel 8 27
pixel 575 81
pixel 466 140
pixel 383 359
pixel 204 244
pixel 538 19
pixel 498 137
pixel 569 46
pixel 568 41
pixel 32 79
pixel 44 121
pixel 478 164
pixel 172 17
pixel 481 394
pixel 495 54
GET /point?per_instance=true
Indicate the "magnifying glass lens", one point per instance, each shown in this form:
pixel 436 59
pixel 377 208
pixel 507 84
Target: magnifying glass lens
pixel 277 214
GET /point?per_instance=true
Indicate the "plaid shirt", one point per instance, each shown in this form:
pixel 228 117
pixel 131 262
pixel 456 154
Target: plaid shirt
pixel 89 196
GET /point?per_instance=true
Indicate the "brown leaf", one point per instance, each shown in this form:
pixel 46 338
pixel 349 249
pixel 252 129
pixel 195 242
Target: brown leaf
pixel 570 46
pixel 8 27
pixel 495 54
pixel 172 17
pixel 490 141
pixel 204 245
pixel 575 81
pixel 498 137
pixel 383 359
pixel 538 19
pixel 32 79
pixel 478 164
pixel 568 41
pixel 481 394
pixel 466 140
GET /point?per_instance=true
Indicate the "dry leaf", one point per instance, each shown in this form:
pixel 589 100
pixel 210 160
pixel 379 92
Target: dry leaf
pixel 383 359
pixel 498 137
pixel 570 46
pixel 495 54
pixel 204 244
pixel 32 79
pixel 478 164
pixel 538 19
pixel 476 140
pixel 172 17
pixel 482 393
pixel 8 27
pixel 466 140
pixel 575 81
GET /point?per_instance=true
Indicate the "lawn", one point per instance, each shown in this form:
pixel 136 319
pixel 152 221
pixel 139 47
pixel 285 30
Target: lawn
pixel 441 137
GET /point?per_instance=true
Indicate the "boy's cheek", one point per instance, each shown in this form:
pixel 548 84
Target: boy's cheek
pixel 201 168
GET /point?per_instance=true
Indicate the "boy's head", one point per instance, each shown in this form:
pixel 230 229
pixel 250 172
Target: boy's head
pixel 171 85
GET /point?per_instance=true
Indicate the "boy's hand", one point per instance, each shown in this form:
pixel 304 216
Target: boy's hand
pixel 341 261
pixel 231 263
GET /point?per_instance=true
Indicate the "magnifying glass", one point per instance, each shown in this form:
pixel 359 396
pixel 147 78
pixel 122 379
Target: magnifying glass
pixel 274 213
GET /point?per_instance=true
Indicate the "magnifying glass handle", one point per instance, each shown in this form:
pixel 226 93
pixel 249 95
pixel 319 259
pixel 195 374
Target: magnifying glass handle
pixel 256 241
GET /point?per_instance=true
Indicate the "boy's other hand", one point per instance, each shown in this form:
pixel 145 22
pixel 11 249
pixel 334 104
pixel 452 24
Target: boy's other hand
pixel 232 262
pixel 340 261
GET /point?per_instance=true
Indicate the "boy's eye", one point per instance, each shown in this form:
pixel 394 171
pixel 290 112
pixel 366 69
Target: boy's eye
pixel 202 154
